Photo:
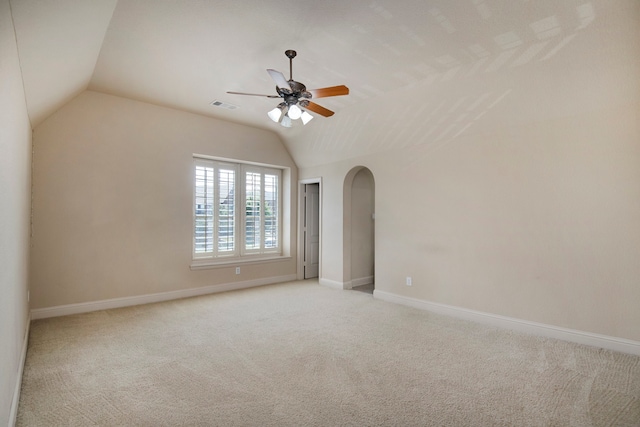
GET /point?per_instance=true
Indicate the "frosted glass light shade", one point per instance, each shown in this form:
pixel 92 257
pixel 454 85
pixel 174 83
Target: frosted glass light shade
pixel 294 112
pixel 306 117
pixel 275 114
pixel 286 121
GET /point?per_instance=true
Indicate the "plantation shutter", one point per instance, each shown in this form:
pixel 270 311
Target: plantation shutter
pixel 236 210
pixel 203 199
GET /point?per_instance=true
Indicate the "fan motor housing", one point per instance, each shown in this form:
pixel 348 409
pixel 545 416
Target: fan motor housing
pixel 298 90
pixel 297 87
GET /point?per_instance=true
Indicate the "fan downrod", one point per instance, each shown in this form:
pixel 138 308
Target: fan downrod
pixel 290 54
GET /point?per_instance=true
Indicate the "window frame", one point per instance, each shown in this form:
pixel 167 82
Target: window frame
pixel 262 171
pixel 240 253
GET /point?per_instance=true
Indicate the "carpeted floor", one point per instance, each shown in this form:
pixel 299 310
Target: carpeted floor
pixel 299 354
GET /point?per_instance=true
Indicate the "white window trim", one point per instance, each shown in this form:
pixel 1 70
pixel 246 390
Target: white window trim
pixel 205 264
pixel 240 254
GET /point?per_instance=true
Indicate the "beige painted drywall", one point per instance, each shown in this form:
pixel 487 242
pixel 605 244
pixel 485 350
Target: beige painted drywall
pixel 112 195
pixel 566 71
pixel 59 43
pixel 15 196
pixel 539 222
pixel 512 187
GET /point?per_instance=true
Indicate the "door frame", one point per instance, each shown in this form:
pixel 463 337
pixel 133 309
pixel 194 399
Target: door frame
pixel 301 234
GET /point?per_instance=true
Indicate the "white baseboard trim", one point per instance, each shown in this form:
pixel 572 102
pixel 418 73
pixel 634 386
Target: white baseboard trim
pixel 13 413
pixel 595 340
pixel 85 307
pixel 361 281
pixel 346 285
pixel 332 284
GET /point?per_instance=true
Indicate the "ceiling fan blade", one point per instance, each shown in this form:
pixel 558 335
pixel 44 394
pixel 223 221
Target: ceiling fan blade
pixel 319 109
pixel 253 94
pixel 329 91
pixel 280 80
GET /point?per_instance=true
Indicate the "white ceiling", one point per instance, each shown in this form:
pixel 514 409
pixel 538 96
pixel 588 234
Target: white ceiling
pixel 419 71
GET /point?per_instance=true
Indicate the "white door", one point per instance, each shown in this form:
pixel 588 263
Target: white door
pixel 311 230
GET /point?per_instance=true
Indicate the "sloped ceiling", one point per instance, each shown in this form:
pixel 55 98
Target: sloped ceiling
pixel 420 71
pixel 58 43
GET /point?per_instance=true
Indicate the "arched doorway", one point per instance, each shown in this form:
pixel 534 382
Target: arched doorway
pixel 359 230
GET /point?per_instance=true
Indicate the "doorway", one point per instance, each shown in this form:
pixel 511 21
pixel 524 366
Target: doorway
pixel 360 230
pixel 310 229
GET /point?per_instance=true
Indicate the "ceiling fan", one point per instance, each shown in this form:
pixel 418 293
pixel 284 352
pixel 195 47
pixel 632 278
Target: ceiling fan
pixel 296 97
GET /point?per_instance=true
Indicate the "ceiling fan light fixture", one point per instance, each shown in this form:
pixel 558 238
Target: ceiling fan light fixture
pixel 286 121
pixel 294 112
pixel 276 113
pixel 305 117
pixel 296 97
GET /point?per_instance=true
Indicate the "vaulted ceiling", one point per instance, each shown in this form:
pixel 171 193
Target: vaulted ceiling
pixel 419 71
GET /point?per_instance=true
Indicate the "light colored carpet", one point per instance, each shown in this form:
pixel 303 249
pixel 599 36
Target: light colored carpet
pixel 299 354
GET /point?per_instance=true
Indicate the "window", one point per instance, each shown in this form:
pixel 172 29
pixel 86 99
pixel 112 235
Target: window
pixel 236 210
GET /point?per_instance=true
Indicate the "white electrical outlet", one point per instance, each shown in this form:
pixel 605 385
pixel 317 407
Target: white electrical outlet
pixel 409 281
pixel 237 270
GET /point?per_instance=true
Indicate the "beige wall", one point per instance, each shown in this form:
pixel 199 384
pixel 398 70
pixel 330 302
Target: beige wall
pixel 112 195
pixel 15 184
pixel 538 222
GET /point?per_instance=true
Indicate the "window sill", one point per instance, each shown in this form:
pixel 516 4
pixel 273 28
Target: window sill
pixel 206 264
